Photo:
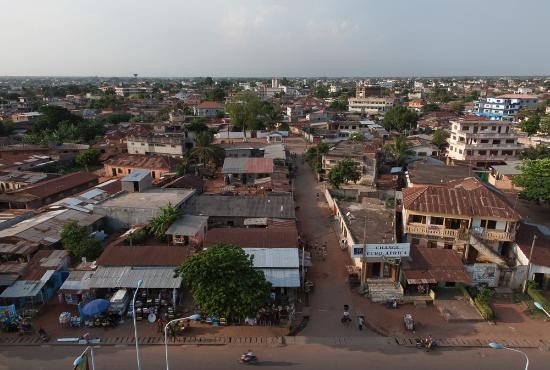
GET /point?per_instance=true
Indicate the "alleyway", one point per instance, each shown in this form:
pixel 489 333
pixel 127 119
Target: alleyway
pixel 331 291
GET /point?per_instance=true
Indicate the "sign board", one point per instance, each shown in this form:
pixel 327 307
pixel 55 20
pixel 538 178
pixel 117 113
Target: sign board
pixel 392 250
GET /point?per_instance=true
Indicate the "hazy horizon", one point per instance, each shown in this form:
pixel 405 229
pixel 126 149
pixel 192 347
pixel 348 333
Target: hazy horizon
pixel 253 38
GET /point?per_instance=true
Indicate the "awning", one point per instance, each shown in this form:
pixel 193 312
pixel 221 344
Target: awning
pixel 282 278
pixel 436 276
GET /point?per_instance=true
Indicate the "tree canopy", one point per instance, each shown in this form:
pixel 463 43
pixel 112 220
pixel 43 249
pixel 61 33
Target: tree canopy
pixel 224 282
pixel 88 158
pixel 344 171
pixel 538 152
pixel 313 156
pixel 205 151
pixel 77 241
pixel 544 127
pixel 531 125
pixel 456 107
pixel 439 137
pixel 159 224
pixel 400 118
pixel 430 107
pixel 399 149
pixel 535 179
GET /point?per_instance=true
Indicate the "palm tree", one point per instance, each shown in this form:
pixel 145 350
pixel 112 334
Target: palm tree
pixel 206 152
pixel 399 149
pixel 162 222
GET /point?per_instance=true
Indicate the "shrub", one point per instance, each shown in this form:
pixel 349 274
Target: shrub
pixel 484 309
pixel 537 297
pixel 137 237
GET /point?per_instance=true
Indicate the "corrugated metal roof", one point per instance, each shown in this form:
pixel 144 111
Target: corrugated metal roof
pixel 275 151
pixel 27 288
pixel 274 257
pixel 77 280
pixel 247 165
pixel 128 277
pixel 187 225
pixel 271 206
pixel 283 278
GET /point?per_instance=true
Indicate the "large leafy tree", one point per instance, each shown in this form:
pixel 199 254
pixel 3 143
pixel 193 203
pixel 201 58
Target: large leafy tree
pixel 531 125
pixel 313 156
pixel 159 224
pixel 400 118
pixel 88 158
pixel 545 125
pixel 430 107
pixel 535 179
pixel 538 152
pixel 439 137
pixel 224 282
pixel 205 151
pixel 344 171
pixel 456 107
pixel 244 111
pixel 399 149
pixel 77 241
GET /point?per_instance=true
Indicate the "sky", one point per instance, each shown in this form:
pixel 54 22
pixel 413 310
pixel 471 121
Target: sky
pixel 249 38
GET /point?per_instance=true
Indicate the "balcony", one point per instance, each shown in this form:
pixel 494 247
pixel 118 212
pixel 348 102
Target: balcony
pixel 432 230
pixel 499 235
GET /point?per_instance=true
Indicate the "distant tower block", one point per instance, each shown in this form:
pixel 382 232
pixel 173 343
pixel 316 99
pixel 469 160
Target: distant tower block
pixel 275 83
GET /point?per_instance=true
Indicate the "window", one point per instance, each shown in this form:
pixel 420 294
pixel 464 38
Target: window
pixel 493 152
pixel 119 170
pixel 510 141
pixel 436 220
pixel 418 219
pixel 496 142
pixel 482 152
pixel 153 174
pixel 493 128
pixel 465 128
pixel 507 152
pixel 484 141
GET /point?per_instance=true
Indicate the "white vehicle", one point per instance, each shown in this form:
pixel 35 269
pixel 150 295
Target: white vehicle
pixel 119 302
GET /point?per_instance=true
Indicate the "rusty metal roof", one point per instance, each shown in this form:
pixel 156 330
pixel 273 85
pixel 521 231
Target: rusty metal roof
pixel 468 197
pixel 434 265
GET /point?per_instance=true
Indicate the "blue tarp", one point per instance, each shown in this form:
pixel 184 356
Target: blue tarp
pixel 95 307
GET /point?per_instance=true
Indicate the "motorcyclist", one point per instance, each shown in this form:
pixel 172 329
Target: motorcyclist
pixel 249 354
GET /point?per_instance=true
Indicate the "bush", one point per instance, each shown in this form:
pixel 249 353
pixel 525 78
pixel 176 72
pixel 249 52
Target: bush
pixel 137 237
pixel 484 309
pixel 537 297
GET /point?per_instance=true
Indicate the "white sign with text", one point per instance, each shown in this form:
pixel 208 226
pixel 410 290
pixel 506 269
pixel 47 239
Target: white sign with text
pixel 395 250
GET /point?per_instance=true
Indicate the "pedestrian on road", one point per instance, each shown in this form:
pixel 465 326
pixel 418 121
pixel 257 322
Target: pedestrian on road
pixel 360 322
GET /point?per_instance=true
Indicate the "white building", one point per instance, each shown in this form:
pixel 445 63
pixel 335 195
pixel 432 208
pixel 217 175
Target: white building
pixel 370 104
pixel 172 145
pixel 482 141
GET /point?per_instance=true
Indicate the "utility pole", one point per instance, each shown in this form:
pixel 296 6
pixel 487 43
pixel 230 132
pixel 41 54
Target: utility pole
pixel 363 262
pixel 529 264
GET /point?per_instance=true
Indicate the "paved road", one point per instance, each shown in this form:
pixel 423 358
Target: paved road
pixel 309 356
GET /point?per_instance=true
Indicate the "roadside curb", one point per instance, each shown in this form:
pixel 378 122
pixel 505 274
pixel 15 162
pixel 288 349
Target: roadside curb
pixel 123 341
pixel 480 342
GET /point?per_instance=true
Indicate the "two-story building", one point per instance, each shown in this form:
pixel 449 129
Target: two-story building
pixel 480 141
pixel 464 215
pixel 208 109
pixel 174 145
pixel 370 105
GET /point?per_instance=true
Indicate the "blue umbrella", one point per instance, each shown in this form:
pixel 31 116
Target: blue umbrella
pixel 95 307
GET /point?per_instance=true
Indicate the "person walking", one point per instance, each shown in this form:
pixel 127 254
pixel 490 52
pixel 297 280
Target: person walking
pixel 360 322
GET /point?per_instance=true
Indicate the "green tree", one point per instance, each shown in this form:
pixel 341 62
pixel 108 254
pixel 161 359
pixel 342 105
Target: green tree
pixel 88 158
pixel 225 283
pixel 205 151
pixel 534 179
pixel 283 127
pixel 545 125
pixel 356 136
pixel 344 171
pixel 538 152
pixel 456 107
pixel 439 137
pixel 244 111
pixel 321 92
pixel 399 118
pixel 159 224
pixel 430 107
pixel 197 125
pixel 398 149
pixel 215 94
pixel 77 241
pixel 313 156
pixel 530 126
pixel 340 104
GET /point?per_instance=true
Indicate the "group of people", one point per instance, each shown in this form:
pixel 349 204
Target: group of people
pixel 347 318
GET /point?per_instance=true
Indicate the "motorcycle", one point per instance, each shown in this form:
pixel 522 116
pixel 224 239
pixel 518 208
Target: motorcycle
pixel 426 343
pixel 43 335
pixel 247 358
pixel 346 317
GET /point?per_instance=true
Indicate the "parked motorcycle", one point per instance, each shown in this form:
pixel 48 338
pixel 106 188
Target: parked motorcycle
pixel 43 335
pixel 426 343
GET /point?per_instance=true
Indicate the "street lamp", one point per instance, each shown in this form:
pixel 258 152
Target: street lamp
pixel 77 361
pixel 192 317
pixel 495 345
pixel 541 307
pixel 135 326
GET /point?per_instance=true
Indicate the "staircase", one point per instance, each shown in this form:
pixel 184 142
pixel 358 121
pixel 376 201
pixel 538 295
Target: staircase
pixel 486 250
pixel 383 291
